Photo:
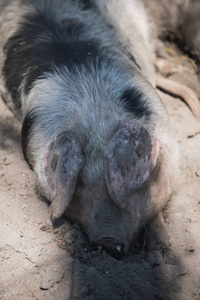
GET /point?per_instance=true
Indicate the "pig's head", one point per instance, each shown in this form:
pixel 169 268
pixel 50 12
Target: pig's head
pixel 112 192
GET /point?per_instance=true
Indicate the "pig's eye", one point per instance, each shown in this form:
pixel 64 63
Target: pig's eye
pixel 140 150
pixel 54 162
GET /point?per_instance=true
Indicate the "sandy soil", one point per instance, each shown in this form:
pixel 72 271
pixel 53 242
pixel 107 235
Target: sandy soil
pixel 41 262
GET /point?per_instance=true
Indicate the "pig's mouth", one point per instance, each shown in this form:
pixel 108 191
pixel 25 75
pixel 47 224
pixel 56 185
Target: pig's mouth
pixel 112 246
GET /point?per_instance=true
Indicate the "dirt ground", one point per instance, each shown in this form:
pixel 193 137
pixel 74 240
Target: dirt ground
pixel 40 262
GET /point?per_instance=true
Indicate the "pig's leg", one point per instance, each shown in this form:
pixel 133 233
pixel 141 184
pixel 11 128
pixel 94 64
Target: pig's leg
pixel 190 39
pixel 190 30
pixel 181 91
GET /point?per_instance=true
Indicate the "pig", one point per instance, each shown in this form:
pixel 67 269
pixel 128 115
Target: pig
pixel 80 77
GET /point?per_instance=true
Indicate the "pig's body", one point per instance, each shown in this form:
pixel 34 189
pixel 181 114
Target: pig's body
pixel 94 129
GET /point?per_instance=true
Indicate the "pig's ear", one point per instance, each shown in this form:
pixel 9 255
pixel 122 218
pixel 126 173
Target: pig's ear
pixel 61 164
pixel 130 158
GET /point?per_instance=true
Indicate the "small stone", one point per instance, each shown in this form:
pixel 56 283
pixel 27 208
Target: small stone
pixel 191 250
pixel 50 275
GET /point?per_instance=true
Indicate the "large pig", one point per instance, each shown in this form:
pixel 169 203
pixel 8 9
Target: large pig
pixel 79 75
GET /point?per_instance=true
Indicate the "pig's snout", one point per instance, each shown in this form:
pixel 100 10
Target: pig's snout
pixel 111 245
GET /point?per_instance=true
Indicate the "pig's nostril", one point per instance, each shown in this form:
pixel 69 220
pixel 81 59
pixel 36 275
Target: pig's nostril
pixel 112 246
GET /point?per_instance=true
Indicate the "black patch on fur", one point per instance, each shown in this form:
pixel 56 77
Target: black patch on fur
pixel 134 102
pixel 27 126
pixel 87 4
pixel 38 46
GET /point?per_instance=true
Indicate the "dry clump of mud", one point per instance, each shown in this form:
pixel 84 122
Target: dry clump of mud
pixel 41 262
